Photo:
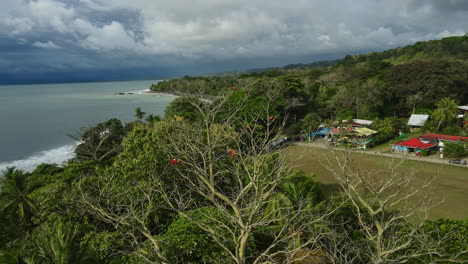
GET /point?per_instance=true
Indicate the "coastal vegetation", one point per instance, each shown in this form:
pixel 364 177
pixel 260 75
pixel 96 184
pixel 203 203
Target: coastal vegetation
pixel 393 83
pixel 204 184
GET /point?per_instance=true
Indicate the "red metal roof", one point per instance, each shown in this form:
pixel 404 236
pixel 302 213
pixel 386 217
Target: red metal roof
pixel 415 143
pixel 434 137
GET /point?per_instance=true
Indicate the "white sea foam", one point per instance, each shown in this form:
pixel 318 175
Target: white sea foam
pixel 145 91
pixel 56 155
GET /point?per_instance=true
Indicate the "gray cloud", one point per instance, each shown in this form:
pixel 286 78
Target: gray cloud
pixel 159 32
pixel 46 45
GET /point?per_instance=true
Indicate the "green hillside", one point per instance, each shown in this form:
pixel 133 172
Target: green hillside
pixel 451 48
pixel 376 85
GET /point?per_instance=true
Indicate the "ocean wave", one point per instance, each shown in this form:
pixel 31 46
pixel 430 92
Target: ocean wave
pixel 55 155
pixel 145 91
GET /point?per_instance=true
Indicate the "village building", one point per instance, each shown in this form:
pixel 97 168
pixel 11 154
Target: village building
pixel 413 145
pixel 462 111
pixel 362 122
pixel 417 120
pixel 441 139
pixel 360 137
pixel 436 138
pixel 363 137
pixel 321 133
pixel 356 123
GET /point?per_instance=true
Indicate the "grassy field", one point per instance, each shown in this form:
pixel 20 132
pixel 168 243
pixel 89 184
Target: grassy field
pixel 451 184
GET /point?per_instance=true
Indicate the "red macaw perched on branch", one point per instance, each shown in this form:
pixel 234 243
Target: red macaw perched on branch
pixel 232 153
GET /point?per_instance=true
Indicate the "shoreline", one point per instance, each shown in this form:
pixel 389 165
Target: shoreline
pixel 204 97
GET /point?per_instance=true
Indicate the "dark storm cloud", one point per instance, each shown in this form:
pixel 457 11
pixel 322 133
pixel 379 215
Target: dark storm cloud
pixel 189 36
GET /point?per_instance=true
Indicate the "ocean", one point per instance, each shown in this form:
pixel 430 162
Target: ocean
pixel 35 120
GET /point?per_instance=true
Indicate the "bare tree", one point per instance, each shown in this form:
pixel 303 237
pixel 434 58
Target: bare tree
pixel 129 207
pixel 390 207
pixel 225 164
pixel 242 186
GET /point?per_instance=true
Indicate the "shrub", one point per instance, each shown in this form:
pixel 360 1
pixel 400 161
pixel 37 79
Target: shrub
pixel 382 138
pixel 454 130
pixel 455 150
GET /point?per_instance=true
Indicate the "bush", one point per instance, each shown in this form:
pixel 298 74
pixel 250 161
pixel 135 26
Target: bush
pixel 382 138
pixel 455 150
pixel 454 130
pixel 186 242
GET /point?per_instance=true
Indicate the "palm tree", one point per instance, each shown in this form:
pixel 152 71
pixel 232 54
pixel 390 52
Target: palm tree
pixel 152 118
pixel 15 254
pixel 384 126
pixel 446 111
pixel 62 247
pixel 298 189
pixel 14 190
pixel 139 114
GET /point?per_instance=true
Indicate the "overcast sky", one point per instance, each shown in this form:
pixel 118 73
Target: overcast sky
pixel 71 40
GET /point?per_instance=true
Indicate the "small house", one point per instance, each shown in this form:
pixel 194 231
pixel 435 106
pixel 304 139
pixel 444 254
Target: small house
pixel 321 133
pixel 413 145
pixel 364 132
pixel 363 137
pixel 362 122
pixel 440 139
pixel 417 120
pixel 462 110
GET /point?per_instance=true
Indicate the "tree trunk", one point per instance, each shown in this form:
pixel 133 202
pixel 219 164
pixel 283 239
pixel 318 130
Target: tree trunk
pixel 438 126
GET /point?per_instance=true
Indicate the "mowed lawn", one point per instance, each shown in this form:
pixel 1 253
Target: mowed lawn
pixel 451 183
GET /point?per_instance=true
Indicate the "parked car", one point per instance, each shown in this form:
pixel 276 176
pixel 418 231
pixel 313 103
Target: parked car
pixel 280 143
pixel 458 161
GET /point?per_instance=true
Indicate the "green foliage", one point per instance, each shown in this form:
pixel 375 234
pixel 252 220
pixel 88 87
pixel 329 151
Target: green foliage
pixel 110 247
pixel 381 138
pixel 253 105
pixel 424 152
pixel 187 107
pixel 301 186
pixel 101 141
pixel 453 232
pixel 447 236
pixel 152 118
pixel 455 150
pixel 450 48
pixel 431 79
pixel 389 127
pixel 15 255
pixel 291 86
pixel 446 111
pixel 16 204
pixel 61 245
pixel 139 114
pixel 454 130
pixel 186 242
